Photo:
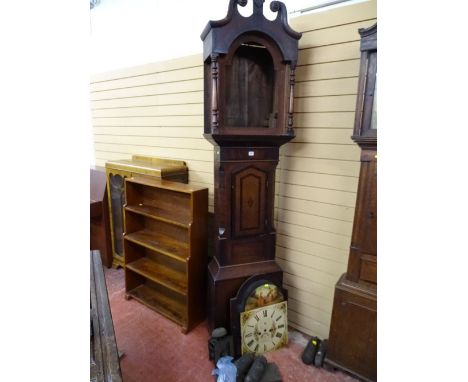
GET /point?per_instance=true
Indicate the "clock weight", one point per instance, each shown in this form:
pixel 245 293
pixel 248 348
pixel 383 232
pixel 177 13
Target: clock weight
pixel 219 345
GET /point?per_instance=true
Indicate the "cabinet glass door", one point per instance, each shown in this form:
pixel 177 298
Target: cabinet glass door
pixel 117 192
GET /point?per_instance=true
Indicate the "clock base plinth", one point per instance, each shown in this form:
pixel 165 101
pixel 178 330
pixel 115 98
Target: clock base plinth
pixel 225 281
pixel 352 345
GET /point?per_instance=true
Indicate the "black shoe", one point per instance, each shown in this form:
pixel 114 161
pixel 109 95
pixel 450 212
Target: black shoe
pixel 243 364
pixel 310 350
pixel 257 369
pixel 321 353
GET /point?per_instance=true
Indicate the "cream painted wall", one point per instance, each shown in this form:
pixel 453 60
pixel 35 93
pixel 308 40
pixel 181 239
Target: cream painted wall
pixel 157 109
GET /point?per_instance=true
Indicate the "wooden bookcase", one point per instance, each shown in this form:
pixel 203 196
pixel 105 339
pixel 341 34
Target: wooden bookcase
pixel 165 244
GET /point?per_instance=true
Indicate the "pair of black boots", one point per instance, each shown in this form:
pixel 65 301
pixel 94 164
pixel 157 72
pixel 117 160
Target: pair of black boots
pixel 315 352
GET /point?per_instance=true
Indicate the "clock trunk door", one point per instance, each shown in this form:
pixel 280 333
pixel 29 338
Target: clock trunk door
pixel 249 202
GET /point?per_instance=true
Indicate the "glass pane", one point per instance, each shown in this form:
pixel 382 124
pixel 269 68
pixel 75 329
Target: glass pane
pixel 117 203
pixel 374 107
pixel 266 294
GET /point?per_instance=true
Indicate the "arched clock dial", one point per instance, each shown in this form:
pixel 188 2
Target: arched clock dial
pixel 264 329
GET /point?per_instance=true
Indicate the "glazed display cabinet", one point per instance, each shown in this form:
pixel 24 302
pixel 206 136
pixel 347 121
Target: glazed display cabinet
pixel 143 166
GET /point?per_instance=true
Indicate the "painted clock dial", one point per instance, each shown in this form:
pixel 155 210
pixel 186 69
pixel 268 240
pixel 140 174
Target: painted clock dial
pixel 265 294
pixel 264 329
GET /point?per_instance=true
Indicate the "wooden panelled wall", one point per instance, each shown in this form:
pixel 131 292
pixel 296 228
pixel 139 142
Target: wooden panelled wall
pixel 157 109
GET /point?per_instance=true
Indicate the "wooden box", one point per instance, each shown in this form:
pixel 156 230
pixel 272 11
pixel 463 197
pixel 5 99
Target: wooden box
pixel 143 166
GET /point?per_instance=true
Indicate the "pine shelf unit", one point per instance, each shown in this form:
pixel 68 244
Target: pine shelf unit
pixel 165 243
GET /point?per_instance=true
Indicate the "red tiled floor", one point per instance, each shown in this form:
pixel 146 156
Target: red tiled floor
pixel 155 349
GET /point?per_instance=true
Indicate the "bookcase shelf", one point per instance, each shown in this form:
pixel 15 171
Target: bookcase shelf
pixel 159 243
pixel 160 302
pixel 158 214
pixel 165 248
pixel 162 274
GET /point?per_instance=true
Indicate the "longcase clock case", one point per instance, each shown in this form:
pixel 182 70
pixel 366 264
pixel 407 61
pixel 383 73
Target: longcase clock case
pixel 353 330
pixel 249 65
